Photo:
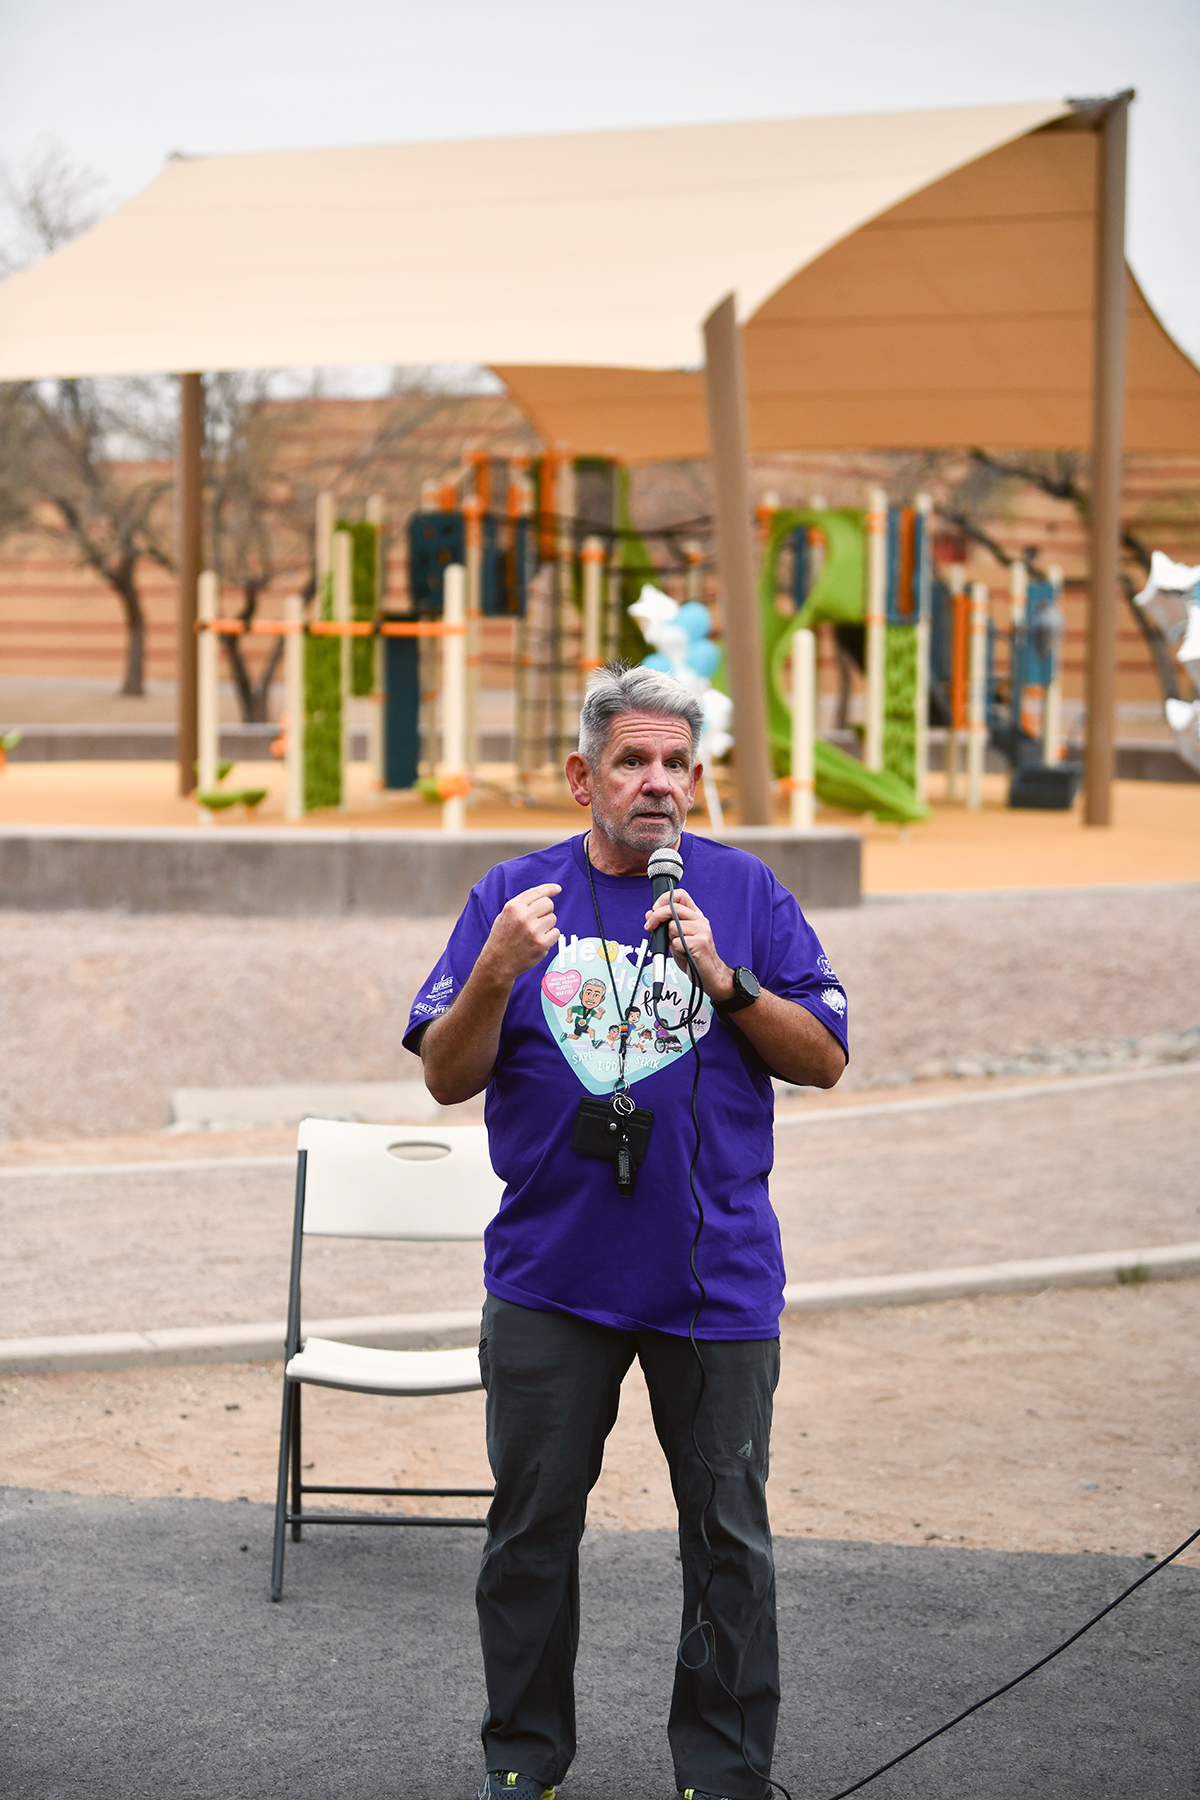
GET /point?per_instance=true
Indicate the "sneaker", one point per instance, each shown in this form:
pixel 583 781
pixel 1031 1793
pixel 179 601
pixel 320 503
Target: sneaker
pixel 697 1794
pixel 506 1784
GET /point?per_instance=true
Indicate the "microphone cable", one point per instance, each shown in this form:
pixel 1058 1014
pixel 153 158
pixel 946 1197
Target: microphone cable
pixel 1016 1680
pixel 703 1628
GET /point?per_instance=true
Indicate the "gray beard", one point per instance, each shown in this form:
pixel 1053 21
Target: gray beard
pixel 621 831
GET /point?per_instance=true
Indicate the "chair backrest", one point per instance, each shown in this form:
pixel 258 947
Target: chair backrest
pixel 433 1182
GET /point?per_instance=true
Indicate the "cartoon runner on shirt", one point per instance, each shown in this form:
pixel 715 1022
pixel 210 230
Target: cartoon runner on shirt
pixel 588 1007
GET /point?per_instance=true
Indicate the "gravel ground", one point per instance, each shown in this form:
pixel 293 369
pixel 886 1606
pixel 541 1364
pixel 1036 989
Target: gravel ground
pixel 1051 1173
pixel 104 1015
pixel 971 975
pixel 1062 1421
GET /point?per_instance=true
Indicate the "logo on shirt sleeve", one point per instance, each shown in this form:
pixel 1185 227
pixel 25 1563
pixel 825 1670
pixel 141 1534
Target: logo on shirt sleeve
pixel 436 1000
pixel 834 999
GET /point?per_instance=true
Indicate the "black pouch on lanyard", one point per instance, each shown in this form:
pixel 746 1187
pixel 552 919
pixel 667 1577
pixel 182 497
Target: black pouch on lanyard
pixel 612 1129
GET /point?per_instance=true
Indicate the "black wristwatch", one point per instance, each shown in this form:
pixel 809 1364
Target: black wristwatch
pixel 745 992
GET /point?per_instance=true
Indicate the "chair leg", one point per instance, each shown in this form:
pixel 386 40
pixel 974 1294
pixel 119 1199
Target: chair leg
pixel 297 1496
pixel 281 1492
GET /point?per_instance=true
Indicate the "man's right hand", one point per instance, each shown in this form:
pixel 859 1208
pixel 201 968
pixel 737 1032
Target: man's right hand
pixel 523 932
pixel 459 1050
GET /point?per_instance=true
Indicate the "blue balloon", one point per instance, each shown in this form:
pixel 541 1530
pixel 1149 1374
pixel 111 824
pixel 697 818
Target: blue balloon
pixel 695 618
pixel 704 657
pixel 655 661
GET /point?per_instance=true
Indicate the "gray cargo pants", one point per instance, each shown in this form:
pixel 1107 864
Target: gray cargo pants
pixel 553 1386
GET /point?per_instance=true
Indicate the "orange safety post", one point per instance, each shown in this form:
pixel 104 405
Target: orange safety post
pixel 593 590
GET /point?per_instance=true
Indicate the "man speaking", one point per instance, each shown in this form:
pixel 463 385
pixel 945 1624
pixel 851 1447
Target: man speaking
pixel 589 1261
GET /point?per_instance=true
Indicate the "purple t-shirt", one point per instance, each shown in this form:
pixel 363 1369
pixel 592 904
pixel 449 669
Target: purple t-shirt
pixel 564 1239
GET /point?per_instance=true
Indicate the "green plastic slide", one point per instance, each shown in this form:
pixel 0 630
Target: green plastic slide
pixel 844 783
pixel 836 597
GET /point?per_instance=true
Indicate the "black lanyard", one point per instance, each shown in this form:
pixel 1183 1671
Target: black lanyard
pixel 620 1086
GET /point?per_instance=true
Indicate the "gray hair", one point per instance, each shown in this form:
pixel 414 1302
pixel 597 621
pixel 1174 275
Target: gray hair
pixel 618 689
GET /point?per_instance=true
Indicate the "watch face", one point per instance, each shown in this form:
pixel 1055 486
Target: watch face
pixel 745 983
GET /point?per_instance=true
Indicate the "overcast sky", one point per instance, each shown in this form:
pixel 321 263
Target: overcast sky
pixel 123 83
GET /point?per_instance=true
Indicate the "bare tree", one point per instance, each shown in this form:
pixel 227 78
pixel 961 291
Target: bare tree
pixel 106 511
pixel 253 535
pixel 1061 475
pixel 76 463
pixel 51 200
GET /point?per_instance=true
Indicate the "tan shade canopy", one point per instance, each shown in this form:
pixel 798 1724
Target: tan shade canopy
pixel 597 248
pixel 961 315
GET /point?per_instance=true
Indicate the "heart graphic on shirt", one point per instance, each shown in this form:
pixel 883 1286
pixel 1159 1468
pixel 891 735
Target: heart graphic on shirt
pixel 561 985
pixel 585 1019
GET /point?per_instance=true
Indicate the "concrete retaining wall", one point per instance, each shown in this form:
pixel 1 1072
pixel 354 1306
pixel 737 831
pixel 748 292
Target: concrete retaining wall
pixel 1152 761
pixel 304 872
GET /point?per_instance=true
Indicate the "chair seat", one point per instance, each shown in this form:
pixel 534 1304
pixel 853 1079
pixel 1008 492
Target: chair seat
pixel 326 1363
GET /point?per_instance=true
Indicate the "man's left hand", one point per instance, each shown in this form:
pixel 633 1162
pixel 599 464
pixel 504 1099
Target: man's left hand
pixel 715 974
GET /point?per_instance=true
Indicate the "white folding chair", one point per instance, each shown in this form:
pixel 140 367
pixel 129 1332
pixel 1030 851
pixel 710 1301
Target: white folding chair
pixel 415 1183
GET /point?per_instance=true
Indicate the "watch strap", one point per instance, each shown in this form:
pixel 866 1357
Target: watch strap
pixel 738 1000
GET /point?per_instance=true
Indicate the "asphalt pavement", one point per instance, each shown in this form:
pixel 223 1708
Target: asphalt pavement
pixel 142 1660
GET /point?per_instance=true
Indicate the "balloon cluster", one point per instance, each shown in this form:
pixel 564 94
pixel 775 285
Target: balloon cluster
pixel 1172 598
pixel 683 647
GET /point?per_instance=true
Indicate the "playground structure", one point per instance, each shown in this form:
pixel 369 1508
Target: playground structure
pixel 545 543
pixel 930 653
pixel 548 545
pixel 961 330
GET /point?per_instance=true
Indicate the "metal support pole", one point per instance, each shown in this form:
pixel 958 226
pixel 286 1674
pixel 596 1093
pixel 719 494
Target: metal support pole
pixel 343 577
pixel 1018 640
pixel 564 620
pixel 924 628
pixel 804 727
pixel 725 394
pixel 208 717
pixel 189 526
pixel 454 693
pixel 473 532
pixel 593 593
pixel 293 705
pixel 693 581
pixel 323 547
pixel 1108 417
pixel 375 729
pixel 521 508
pixel 875 621
pixel 612 609
pixel 977 703
pixel 1052 704
pixel 959 639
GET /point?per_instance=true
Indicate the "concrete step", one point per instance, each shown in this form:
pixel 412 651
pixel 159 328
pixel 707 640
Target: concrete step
pixel 414 1331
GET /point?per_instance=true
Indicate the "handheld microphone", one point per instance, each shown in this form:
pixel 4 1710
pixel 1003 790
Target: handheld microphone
pixel 665 871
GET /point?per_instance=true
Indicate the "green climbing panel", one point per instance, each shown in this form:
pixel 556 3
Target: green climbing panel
pixel 323 715
pixel 900 705
pixel 363 590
